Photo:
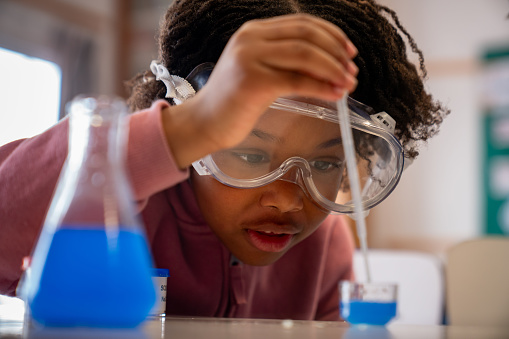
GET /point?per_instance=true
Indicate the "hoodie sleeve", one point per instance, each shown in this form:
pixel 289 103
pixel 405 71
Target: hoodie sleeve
pixel 29 170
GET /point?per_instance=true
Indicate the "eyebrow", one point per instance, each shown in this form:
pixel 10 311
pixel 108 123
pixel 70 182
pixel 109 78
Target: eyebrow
pixel 272 138
pixel 330 143
pixel 266 136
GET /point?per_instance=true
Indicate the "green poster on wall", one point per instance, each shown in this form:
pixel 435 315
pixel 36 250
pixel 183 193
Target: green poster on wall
pixel 496 172
pixel 495 100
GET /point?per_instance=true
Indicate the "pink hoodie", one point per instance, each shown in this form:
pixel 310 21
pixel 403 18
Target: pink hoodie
pixel 204 281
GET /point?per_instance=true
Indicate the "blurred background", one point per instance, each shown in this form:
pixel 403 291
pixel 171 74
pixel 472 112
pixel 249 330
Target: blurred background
pixel 54 49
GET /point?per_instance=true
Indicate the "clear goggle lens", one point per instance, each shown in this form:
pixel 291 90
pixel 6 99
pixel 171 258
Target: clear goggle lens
pixel 299 141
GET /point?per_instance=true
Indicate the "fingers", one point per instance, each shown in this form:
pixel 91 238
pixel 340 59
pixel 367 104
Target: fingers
pixel 312 28
pixel 310 20
pixel 300 55
pixel 300 84
pixel 302 44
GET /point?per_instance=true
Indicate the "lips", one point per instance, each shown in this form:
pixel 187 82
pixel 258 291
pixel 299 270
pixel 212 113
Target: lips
pixel 269 241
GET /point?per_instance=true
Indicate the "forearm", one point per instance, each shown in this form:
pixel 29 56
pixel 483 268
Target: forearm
pixel 29 170
pixel 150 160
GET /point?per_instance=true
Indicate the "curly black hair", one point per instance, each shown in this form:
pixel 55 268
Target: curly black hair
pixel 196 31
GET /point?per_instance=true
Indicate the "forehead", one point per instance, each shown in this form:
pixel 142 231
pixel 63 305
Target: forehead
pixel 291 125
pixel 288 134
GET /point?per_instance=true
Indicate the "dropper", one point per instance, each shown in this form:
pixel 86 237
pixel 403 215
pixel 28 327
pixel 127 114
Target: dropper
pixel 353 174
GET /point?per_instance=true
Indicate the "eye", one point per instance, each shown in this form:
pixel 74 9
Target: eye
pixel 325 166
pixel 251 158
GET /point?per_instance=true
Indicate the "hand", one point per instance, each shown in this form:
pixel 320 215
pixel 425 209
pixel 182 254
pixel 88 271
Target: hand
pixel 265 59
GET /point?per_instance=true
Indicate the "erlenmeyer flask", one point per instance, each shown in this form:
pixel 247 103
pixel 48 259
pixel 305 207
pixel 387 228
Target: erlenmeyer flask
pixel 91 266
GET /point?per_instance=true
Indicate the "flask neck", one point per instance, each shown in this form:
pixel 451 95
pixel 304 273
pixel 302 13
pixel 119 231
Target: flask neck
pixel 96 140
pixel 94 188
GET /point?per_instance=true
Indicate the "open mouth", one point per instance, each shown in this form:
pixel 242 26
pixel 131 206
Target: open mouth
pixel 269 241
pixel 272 234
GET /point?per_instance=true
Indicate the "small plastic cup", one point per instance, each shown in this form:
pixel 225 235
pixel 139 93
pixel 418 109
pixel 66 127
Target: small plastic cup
pixel 160 279
pixel 368 303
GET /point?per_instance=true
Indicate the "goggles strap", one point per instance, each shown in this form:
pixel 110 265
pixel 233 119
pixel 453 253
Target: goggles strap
pixel 177 88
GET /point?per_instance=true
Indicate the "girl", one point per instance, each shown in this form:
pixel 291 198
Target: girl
pixel 273 250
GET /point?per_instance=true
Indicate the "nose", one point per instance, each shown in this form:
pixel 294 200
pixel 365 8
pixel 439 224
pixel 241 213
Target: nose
pixel 284 195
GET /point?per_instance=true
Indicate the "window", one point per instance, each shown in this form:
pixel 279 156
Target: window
pixel 29 95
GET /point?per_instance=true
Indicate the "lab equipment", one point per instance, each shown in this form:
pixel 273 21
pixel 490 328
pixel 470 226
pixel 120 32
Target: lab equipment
pixel 368 303
pixel 91 266
pixel 362 303
pixel 298 140
pixel 359 208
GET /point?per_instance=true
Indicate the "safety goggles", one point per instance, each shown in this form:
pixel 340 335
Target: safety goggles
pixel 298 140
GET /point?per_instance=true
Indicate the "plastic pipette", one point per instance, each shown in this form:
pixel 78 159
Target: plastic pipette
pixel 346 135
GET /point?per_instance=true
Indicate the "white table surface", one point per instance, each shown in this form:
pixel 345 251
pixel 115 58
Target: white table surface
pixel 219 328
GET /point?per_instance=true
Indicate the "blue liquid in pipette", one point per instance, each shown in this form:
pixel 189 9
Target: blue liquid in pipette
pixel 359 312
pixel 93 280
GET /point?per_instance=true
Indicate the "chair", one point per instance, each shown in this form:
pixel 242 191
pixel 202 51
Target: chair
pixel 420 282
pixel 477 282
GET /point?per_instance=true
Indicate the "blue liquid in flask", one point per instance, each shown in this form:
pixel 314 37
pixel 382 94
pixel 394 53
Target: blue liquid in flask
pixel 91 266
pixel 94 279
pixel 359 312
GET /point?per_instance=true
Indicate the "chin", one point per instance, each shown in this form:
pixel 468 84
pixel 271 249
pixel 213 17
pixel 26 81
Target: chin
pixel 260 260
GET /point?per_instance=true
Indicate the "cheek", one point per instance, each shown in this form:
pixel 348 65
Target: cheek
pixel 314 218
pixel 218 203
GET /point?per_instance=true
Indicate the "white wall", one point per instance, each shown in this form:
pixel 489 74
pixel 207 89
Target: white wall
pixel 439 199
pixel 31 29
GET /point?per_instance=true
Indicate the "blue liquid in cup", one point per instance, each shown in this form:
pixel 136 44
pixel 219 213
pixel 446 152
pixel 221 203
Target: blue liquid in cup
pixel 358 312
pixel 93 280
